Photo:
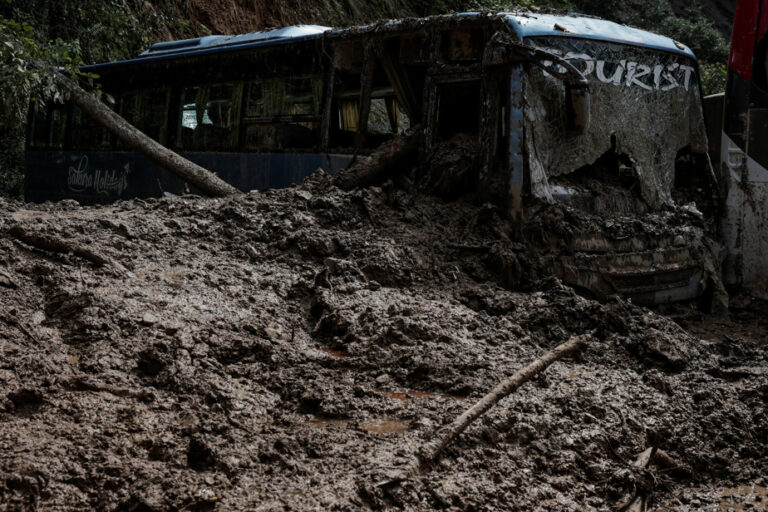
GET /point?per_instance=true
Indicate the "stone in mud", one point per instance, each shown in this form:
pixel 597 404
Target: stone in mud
pixel 149 319
pixel 666 350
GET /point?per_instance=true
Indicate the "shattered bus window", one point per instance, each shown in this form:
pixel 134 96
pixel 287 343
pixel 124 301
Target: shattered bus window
pixel 649 108
pixel 209 119
pixel 387 117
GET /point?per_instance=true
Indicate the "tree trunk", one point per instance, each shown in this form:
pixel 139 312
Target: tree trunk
pixel 390 158
pixel 190 172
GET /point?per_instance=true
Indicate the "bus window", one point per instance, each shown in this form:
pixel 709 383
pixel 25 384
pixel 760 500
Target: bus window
pixel 129 109
pixel 48 127
pixel 257 103
pixel 209 117
pixel 283 113
pixel 147 111
pixel 154 114
pixel 387 117
pixel 302 96
pixel 87 134
pixel 217 129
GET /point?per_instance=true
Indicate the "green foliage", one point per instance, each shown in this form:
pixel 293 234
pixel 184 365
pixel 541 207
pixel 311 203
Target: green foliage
pixel 24 72
pixel 65 33
pixel 713 77
pixel 693 29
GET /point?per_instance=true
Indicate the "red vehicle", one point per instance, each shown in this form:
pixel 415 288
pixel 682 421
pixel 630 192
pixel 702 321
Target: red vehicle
pixel 743 148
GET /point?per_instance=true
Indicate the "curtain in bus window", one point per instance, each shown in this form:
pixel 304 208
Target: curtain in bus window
pixel 349 113
pixel 283 113
pixel 265 98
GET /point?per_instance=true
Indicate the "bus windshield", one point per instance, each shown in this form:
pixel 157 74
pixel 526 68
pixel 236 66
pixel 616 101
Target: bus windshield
pixel 645 106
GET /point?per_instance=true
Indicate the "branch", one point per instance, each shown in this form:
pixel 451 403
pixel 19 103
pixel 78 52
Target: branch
pixel 431 451
pixel 53 244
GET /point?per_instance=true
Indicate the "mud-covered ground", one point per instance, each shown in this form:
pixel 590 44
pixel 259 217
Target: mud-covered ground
pixel 290 350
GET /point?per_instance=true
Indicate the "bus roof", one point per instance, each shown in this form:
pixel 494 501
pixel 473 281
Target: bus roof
pixel 589 27
pixel 524 24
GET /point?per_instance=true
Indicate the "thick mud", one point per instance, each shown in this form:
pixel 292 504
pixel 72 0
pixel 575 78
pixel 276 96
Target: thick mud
pixel 291 350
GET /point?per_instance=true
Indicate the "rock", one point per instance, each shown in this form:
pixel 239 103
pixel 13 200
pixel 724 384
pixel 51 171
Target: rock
pixel 304 194
pixel 149 319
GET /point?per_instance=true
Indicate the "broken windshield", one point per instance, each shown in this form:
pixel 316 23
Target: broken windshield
pixel 646 105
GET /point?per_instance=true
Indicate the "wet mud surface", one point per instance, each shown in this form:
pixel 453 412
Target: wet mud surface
pixel 290 350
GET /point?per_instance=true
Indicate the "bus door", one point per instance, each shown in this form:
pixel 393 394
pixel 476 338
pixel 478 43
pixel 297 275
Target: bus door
pixel 744 152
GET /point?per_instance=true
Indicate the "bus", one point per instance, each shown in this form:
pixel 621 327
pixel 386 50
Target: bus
pixel 738 125
pixel 553 101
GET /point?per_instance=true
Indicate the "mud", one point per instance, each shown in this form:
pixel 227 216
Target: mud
pixel 289 350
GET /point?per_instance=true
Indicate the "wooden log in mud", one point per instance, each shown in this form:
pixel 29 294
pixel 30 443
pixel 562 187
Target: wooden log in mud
pixel 638 501
pixel 392 157
pixel 432 450
pixel 51 243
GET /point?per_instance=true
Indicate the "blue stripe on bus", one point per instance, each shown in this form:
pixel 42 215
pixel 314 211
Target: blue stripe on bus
pixel 105 177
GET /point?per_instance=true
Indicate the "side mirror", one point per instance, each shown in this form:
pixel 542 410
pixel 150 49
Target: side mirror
pixel 579 107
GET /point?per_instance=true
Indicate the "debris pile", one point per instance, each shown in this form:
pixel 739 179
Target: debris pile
pixel 293 349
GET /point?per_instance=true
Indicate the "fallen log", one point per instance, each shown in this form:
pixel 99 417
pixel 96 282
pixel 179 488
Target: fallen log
pixel 432 450
pixel 85 383
pixel 638 502
pixel 205 180
pixel 54 244
pixel 390 158
pixel 667 463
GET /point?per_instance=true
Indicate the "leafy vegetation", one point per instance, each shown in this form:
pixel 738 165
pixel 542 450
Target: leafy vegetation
pixel 23 72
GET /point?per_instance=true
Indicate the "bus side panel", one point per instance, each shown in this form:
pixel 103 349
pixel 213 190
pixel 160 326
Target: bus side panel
pixel 103 178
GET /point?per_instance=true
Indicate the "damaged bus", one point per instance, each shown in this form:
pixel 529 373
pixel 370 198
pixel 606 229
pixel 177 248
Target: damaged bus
pixel 555 104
